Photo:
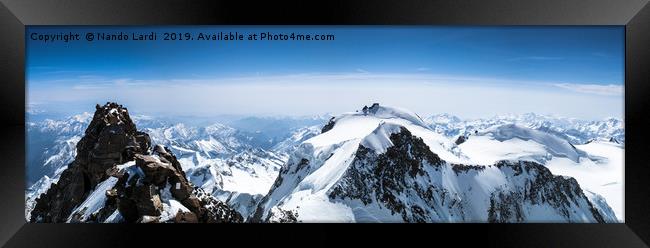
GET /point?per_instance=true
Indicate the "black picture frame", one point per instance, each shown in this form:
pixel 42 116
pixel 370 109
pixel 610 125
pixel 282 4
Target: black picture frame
pixel 16 14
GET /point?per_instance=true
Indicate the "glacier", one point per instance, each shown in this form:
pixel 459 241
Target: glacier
pixel 251 170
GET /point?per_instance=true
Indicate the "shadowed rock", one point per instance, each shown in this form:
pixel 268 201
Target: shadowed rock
pixel 112 139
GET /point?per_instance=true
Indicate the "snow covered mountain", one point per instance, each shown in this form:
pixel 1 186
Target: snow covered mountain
pixel 51 144
pixel 597 165
pixel 511 141
pixel 225 162
pixel 456 170
pixel 592 152
pixel 384 164
pixel 117 176
pixel 297 137
pixel 212 141
pixel 573 130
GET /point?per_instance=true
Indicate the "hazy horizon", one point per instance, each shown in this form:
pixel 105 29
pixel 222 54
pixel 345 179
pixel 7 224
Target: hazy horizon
pixel 469 72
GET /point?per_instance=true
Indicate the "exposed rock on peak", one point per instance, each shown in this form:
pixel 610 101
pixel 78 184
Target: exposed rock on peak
pixel 394 176
pixel 111 138
pixel 115 174
pixel 328 126
pixel 461 139
pixel 164 179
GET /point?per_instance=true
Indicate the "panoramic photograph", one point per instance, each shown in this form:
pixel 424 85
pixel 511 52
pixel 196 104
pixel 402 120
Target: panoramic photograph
pixel 275 124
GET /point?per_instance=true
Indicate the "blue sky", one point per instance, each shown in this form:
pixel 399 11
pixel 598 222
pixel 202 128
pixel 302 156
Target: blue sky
pixel 567 68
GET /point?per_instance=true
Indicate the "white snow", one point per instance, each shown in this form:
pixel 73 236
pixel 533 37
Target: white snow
pixel 511 142
pixel 316 207
pixel 379 140
pixel 303 189
pixel 171 207
pixel 358 126
pixel 33 192
pixel 604 176
pixel 597 166
pixel 115 217
pixel 332 169
pixel 574 130
pixel 95 201
pixel 215 160
pixel 330 154
pixel 485 150
pixel 554 145
pixel 297 137
pixel 244 182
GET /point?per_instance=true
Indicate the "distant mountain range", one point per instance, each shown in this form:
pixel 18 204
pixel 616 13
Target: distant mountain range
pixel 573 130
pixel 233 165
pixel 378 163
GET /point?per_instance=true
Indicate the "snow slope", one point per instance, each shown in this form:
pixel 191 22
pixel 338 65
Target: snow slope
pixel 384 164
pixel 575 131
pixel 220 159
pixel 516 142
pixel 93 203
pixel 603 176
pixel 233 167
pixel 597 166
pixel 356 125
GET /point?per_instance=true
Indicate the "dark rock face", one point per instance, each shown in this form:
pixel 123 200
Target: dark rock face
pixel 461 139
pixel 544 188
pixel 186 217
pixel 407 180
pixel 283 216
pixel 213 210
pixel 289 168
pixel 373 109
pixel 112 139
pixel 140 196
pixel 146 200
pixel 328 126
pixel 380 178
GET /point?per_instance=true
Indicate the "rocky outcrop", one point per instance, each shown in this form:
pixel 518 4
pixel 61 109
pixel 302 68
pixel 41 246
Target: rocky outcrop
pixel 138 197
pixel 412 182
pixel 328 126
pixel 563 194
pixel 615 140
pixel 111 138
pixel 381 177
pixel 461 139
pixel 282 216
pixel 110 141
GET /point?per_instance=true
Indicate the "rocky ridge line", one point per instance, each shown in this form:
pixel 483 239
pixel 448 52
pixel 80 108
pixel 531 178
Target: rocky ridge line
pixel 110 143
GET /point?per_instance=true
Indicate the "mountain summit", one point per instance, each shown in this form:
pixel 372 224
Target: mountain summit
pixel 376 164
pixel 117 176
pixel 383 164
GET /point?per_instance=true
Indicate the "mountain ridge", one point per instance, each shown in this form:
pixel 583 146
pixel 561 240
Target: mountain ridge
pixel 221 164
pixel 118 176
pixel 386 174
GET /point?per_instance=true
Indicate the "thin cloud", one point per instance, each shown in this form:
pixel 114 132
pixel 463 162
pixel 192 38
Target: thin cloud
pixel 122 81
pixel 423 69
pixel 359 70
pixel 65 72
pixel 95 82
pixel 92 86
pixel 596 89
pixel 420 92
